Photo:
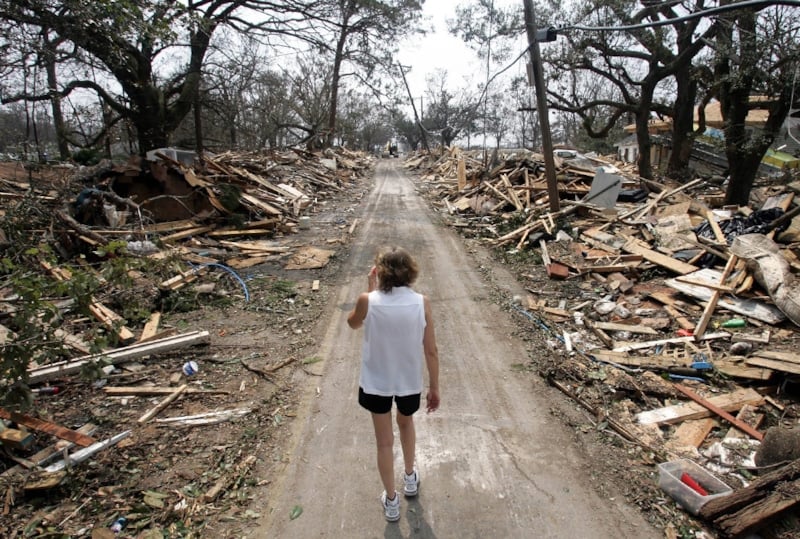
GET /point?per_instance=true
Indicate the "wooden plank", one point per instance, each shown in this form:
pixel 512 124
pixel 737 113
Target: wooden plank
pixel 691 433
pixel 196 231
pixel 682 321
pixel 744 427
pixel 182 279
pixel 260 246
pixel 271 210
pixel 41 457
pixel 633 246
pixel 712 221
pixel 50 428
pixel 150 327
pixel 711 305
pixel 749 415
pixel 630 346
pixel 240 232
pixel 248 262
pixel 352 227
pixel 150 414
pixel 612 326
pixel 713 286
pixel 759 514
pixel 729 402
pixel 119 355
pixel 602 335
pixel 604 238
pixel 146 391
pixel 786 357
pixel 761 486
pixel 781 366
pixel 652 362
pixel 106 316
pixel 739 369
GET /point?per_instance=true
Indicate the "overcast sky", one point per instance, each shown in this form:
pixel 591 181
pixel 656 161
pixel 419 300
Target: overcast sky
pixel 437 50
pixel 441 50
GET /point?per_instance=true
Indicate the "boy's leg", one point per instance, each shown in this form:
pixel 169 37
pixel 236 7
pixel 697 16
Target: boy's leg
pixel 408 440
pixel 384 439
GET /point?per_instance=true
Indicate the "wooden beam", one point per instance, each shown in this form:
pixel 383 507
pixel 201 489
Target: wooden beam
pixel 150 414
pixel 50 428
pixel 633 246
pixel 147 391
pixel 775 365
pixel 150 327
pixel 741 425
pixel 730 402
pixel 708 312
pixel 628 347
pixel 120 355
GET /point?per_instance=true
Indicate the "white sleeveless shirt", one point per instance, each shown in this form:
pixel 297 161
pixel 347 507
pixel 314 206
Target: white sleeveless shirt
pixel 392 354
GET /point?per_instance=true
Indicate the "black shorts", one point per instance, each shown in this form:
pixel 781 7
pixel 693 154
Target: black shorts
pixel 378 404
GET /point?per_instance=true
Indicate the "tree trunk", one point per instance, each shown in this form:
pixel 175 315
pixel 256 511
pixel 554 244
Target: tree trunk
pixel 55 101
pixel 107 127
pixel 643 140
pixel 198 123
pixel 336 74
pixel 682 125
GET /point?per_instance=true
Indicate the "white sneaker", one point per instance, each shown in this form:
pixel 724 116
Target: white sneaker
pixel 391 508
pixel 411 483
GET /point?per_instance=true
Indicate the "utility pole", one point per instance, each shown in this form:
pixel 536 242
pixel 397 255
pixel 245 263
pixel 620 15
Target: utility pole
pixel 414 107
pixel 541 105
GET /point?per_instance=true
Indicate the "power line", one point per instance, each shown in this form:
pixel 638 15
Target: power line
pixel 689 17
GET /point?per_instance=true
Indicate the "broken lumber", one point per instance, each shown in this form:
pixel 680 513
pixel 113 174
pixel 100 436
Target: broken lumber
pixel 628 347
pixel 764 499
pixel 146 391
pixel 150 414
pixel 82 454
pixel 120 355
pixel 730 402
pixel 711 305
pixel 106 316
pixel 741 425
pixel 48 427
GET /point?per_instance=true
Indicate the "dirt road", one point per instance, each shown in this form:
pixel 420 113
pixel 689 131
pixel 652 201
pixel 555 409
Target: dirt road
pixel 493 461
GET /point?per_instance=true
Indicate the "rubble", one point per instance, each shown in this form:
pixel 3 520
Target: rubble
pixel 658 280
pixel 123 242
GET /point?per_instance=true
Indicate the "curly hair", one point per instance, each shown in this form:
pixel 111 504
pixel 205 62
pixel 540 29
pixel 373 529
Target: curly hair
pixel 395 267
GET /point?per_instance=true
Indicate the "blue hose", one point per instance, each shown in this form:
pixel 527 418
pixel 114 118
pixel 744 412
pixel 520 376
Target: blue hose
pixel 229 270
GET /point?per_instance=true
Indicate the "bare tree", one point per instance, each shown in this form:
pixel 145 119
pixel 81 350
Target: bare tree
pixel 362 36
pixel 756 54
pixel 130 41
pixel 629 68
pixel 450 114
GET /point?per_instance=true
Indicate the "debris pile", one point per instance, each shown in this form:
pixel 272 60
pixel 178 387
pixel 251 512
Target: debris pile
pixel 674 320
pixel 92 258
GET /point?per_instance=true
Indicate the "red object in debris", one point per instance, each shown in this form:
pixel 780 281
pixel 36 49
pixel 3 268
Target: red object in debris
pixel 47 390
pixel 694 485
pixel 685 333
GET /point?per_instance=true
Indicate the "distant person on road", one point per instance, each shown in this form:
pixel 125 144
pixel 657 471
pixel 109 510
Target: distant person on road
pixel 398 334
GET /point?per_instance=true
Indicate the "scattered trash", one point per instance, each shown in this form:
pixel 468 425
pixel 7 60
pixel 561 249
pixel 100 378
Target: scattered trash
pixel 190 368
pixel 689 484
pixel 119 525
pixel 296 512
